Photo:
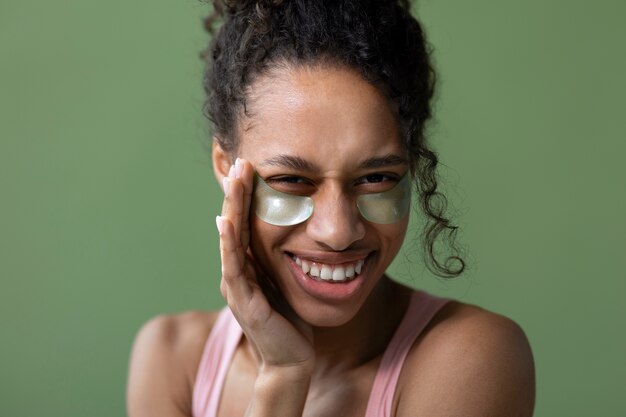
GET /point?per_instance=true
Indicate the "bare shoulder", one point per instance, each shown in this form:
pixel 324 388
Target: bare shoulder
pixel 469 362
pixel 163 364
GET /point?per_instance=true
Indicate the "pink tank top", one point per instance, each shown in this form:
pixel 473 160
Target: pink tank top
pixel 226 334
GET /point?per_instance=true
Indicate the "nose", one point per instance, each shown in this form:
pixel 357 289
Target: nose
pixel 336 223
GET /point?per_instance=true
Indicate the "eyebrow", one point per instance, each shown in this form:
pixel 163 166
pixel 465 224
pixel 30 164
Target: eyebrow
pixel 289 161
pixel 383 161
pixel 301 164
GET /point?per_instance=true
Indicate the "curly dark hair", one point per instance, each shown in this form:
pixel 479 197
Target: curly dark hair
pixel 380 39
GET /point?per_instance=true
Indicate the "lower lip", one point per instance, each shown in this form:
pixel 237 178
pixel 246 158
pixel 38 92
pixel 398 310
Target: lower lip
pixel 329 291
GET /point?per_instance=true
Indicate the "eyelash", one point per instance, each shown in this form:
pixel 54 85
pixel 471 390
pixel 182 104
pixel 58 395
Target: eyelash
pixel 286 180
pixel 382 178
pixel 370 179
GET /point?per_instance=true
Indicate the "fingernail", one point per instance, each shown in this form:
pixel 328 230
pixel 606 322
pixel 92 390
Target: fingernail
pixel 218 223
pixel 231 172
pixel 225 184
pixel 238 168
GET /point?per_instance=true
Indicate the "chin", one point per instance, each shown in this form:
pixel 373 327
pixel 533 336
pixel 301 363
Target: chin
pixel 325 315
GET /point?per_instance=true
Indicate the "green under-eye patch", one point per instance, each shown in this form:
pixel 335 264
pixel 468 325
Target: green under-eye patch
pixel 282 209
pixel 277 208
pixel 389 206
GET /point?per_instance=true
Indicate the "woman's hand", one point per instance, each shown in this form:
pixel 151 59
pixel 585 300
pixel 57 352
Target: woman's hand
pixel 282 341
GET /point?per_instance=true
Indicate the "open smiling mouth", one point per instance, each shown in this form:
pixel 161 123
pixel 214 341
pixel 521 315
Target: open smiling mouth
pixel 337 273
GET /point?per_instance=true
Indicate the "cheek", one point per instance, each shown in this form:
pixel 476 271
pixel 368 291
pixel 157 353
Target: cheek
pixel 393 234
pixel 264 239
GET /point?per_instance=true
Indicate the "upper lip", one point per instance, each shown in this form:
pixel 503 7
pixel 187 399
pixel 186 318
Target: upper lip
pixel 331 257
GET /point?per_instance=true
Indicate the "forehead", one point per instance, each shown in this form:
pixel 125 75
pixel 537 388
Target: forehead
pixel 326 115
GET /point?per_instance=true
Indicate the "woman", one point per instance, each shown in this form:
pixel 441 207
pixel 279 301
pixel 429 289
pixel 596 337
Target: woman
pixel 319 110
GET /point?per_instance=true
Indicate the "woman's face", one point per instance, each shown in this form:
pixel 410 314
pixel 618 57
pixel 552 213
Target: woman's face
pixel 328 134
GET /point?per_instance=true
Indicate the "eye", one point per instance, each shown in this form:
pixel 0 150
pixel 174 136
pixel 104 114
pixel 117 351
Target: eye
pixel 291 184
pixel 286 180
pixel 377 182
pixel 290 180
pixel 373 178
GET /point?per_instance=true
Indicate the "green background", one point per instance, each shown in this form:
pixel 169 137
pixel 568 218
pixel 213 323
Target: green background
pixel 107 197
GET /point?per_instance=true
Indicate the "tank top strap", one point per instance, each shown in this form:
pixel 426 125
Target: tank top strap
pixel 422 308
pixel 216 358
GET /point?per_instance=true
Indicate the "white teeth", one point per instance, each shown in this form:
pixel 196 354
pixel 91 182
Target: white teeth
pixel 329 272
pixel 349 271
pixel 326 273
pixel 339 274
pixel 315 272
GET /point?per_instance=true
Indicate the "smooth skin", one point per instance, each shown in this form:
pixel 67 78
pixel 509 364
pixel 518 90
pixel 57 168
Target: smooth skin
pixel 306 354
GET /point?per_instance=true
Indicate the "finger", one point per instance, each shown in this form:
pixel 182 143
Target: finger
pixel 233 273
pixel 245 172
pixel 268 287
pixel 232 207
